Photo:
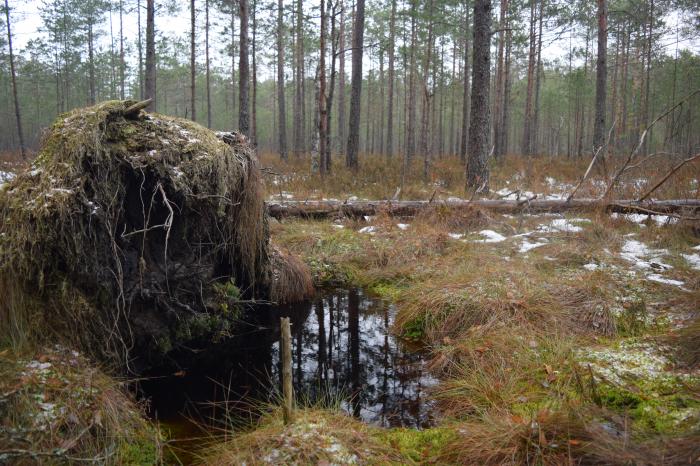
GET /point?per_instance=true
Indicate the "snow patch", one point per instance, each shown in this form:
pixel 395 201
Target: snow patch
pixel 693 260
pixel 455 235
pixel 491 237
pixel 369 229
pixel 402 226
pixel 526 246
pixel 655 277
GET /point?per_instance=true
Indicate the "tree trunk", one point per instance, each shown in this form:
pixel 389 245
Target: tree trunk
pixel 254 103
pixel 601 77
pixel 506 92
pixel 91 60
pixel 282 114
pixel 18 114
pixel 356 86
pixel 390 89
pixel 500 81
pixel 411 126
pixel 465 89
pixel 342 124
pixel 427 97
pixel 322 120
pixel 122 63
pixel 331 87
pixel 299 82
pixel 244 72
pixel 193 63
pixel 323 209
pixel 208 65
pixel 534 139
pixel 150 90
pixel 526 147
pixel 140 49
pixel 477 167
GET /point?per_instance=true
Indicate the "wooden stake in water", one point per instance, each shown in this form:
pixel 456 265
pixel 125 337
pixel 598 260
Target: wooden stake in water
pixel 287 389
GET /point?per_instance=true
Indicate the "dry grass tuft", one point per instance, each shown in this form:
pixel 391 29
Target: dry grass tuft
pixel 316 437
pixel 291 278
pixel 58 409
pixel 568 436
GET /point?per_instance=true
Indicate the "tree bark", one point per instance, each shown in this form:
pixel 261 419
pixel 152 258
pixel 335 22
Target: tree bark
pixel 18 114
pixel 282 114
pixel 122 63
pixel 601 77
pixel 150 90
pixel 208 65
pixel 477 167
pixel 323 209
pixel 299 82
pixel 193 63
pixel 342 124
pixel 244 72
pixel 500 84
pixel 254 103
pixel 390 84
pixel 465 89
pixel 526 147
pixel 356 86
pixel 322 120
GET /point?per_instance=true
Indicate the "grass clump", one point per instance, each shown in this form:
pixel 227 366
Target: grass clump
pixel 316 437
pixel 58 409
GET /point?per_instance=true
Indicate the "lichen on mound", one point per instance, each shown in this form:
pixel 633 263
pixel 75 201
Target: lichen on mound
pixel 119 236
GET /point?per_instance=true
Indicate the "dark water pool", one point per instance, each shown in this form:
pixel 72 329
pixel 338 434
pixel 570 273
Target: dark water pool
pixel 342 351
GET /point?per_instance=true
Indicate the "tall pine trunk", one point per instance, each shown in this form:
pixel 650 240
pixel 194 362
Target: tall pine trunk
pixel 282 113
pixel 322 117
pixel 342 124
pixel 299 81
pixel 150 90
pixel 254 102
pixel 601 76
pixel 477 166
pixel 244 72
pixel 208 65
pixel 465 90
pixel 193 63
pixel 526 147
pixel 18 114
pixel 390 84
pixel 356 86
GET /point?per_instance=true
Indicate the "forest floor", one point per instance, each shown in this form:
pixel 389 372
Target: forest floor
pixel 557 339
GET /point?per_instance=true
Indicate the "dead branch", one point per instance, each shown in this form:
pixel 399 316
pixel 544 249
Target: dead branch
pixel 639 145
pixel 668 175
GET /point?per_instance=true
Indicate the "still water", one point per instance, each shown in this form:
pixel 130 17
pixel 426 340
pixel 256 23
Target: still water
pixel 342 351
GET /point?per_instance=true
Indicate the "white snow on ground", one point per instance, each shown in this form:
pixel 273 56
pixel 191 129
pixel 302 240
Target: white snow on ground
pixel 693 260
pixel 5 177
pixel 591 266
pixel 369 229
pixel 655 277
pixel 455 235
pixel 642 218
pixel 562 225
pixel 525 246
pixel 335 225
pixel 491 237
pixel 697 248
pixel 403 226
pixel 642 256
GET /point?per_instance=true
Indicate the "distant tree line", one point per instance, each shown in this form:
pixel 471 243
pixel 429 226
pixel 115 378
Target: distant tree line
pixel 425 79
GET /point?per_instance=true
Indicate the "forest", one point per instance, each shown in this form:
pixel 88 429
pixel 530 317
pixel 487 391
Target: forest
pixel 350 232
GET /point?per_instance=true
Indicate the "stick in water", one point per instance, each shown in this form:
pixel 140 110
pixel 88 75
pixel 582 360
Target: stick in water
pixel 287 389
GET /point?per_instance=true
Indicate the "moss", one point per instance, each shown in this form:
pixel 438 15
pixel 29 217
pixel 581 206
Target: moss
pixel 419 446
pixel 389 291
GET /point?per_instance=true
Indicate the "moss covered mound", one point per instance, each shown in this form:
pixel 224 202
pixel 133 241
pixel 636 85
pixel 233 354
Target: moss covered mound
pixel 133 234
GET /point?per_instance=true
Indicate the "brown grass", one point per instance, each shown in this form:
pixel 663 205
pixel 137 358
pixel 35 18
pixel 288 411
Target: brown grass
pixel 291 278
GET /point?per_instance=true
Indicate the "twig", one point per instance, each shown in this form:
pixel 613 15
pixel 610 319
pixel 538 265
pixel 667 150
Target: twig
pixel 592 164
pixel 653 212
pixel 639 145
pixel 668 175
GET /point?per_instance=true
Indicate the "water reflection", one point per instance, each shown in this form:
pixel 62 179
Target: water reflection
pixel 343 348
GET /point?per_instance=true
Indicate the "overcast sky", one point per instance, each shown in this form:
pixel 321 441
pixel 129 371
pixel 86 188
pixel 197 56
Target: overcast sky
pixel 28 25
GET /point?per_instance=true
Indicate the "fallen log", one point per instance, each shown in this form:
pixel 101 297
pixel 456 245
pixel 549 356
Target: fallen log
pixel 323 209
